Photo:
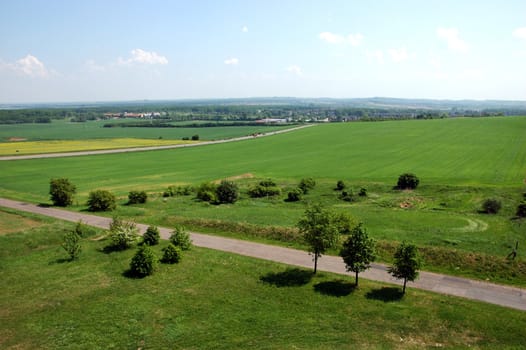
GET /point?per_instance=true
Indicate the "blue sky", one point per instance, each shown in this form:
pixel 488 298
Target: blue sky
pixel 58 51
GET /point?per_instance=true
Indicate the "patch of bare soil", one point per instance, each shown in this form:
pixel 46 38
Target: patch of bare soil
pixel 16 139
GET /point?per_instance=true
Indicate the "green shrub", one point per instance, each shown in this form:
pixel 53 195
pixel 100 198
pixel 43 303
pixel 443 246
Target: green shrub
pixel 83 230
pixel 171 254
pixel 521 210
pixel 61 192
pixel 260 191
pixel 307 184
pixel 172 191
pixel 207 192
pixel 143 262
pixel 195 137
pixel 268 183
pixel 123 234
pixel 407 181
pixel 491 206
pixel 180 238
pixel 151 236
pixel 71 245
pixel 347 196
pixel 227 192
pixel 363 192
pixel 137 197
pixel 101 200
pixel 294 195
pixel 340 185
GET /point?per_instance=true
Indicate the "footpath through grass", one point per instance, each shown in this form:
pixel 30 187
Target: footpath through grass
pixel 217 300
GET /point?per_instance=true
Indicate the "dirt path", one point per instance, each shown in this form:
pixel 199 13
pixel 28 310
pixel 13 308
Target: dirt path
pixel 491 293
pixel 152 148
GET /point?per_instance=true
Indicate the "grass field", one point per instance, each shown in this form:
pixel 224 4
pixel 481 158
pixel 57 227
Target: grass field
pixel 220 301
pixel 460 163
pixel 64 130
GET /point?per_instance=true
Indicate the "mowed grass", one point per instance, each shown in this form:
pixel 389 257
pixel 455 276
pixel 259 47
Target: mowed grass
pixel 214 300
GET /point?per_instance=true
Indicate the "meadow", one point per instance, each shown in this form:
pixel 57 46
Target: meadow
pixel 217 300
pixel 460 162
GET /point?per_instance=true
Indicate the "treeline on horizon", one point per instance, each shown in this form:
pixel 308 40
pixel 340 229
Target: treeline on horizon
pixel 243 113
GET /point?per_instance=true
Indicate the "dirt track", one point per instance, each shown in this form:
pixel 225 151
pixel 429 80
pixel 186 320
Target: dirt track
pixel 511 297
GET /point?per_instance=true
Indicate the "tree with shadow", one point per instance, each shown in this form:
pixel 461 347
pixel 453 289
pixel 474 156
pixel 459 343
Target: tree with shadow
pixel 406 263
pixel 358 251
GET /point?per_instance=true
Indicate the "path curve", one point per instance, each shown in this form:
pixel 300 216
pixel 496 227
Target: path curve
pixel 152 148
pixel 508 296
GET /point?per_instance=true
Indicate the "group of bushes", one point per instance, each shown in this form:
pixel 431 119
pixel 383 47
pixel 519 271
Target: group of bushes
pixel 227 192
pixel 348 194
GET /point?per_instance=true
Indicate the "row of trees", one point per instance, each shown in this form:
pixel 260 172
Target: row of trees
pixel 322 229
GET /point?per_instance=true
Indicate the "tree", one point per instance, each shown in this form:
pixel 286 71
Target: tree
pixel 171 254
pixel 151 236
pixel 406 263
pixel 180 238
pixel 143 262
pixel 407 181
pixel 101 200
pixel 123 234
pixel 358 251
pixel 491 206
pixel 137 197
pixel 319 231
pixel 61 192
pixel 71 245
pixel 227 192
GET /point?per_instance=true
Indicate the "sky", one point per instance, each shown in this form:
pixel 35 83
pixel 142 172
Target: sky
pixel 109 50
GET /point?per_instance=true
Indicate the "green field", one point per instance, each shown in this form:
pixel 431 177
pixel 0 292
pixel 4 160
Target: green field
pixel 215 300
pixel 460 162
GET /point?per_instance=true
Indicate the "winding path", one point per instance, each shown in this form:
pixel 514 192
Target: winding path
pixel 511 297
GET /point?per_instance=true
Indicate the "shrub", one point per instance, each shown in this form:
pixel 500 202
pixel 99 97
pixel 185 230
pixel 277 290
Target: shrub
pixel 172 191
pixel 340 185
pixel 123 234
pixel 180 238
pixel 268 183
pixel 227 192
pixel 491 206
pixel 521 210
pixel 260 191
pixel 407 181
pixel 347 196
pixel 363 192
pixel 151 236
pixel 171 254
pixel 137 197
pixel 207 192
pixel 195 138
pixel 101 200
pixel 61 192
pixel 71 245
pixel 294 195
pixel 143 262
pixel 83 230
pixel 307 184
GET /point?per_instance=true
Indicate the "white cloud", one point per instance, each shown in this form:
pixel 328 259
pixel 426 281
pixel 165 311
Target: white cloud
pixel 331 38
pixel 520 33
pixel 143 57
pixel 376 55
pixel 29 66
pixel 231 61
pixel 295 70
pixel 435 62
pixel 244 29
pixel 454 42
pixel 399 55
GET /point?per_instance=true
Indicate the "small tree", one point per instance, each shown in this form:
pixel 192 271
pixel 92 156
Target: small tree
pixel 123 234
pixel 101 200
pixel 180 238
pixel 71 245
pixel 319 231
pixel 227 192
pixel 61 192
pixel 406 263
pixel 491 206
pixel 307 184
pixel 358 251
pixel 171 254
pixel 407 181
pixel 143 262
pixel 137 197
pixel 151 236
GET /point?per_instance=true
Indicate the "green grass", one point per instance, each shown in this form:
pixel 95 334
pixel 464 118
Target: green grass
pixel 221 301
pixel 64 130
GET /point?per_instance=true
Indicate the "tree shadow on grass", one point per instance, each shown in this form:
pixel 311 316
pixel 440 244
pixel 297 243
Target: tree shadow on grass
pixel 130 274
pixel 44 205
pixel 337 288
pixel 385 294
pixel 61 261
pixel 292 277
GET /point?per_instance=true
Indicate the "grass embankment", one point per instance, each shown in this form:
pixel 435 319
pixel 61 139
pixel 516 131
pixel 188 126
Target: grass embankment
pixel 221 301
pixel 460 162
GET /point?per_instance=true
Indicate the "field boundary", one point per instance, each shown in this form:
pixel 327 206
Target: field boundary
pixel 507 296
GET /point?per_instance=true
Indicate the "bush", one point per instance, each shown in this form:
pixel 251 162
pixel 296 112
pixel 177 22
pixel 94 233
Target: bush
pixel 172 191
pixel 521 210
pixel 294 195
pixel 307 184
pixel 363 192
pixel 260 191
pixel 340 185
pixel 207 192
pixel 61 192
pixel 71 245
pixel 101 200
pixel 195 138
pixel 171 254
pixel 83 230
pixel 143 262
pixel 180 238
pixel 227 192
pixel 407 181
pixel 151 236
pixel 347 196
pixel 137 197
pixel 491 206
pixel 123 234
